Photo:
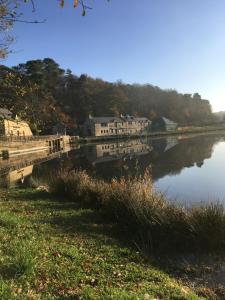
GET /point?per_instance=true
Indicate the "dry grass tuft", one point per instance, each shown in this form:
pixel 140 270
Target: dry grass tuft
pixel 153 223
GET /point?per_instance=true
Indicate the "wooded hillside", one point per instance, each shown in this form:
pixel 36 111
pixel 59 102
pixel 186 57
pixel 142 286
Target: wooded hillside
pixel 42 93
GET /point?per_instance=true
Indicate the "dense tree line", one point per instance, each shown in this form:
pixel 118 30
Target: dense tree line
pixel 44 94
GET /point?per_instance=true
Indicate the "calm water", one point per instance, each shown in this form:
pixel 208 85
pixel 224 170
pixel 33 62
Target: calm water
pixel 185 168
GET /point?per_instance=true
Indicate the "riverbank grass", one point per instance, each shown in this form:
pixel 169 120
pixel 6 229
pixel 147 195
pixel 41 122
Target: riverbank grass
pixel 54 249
pixel 148 219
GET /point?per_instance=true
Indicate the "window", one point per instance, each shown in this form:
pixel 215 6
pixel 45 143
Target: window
pixel 104 124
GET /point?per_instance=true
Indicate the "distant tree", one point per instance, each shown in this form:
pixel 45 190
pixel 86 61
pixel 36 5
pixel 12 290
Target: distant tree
pixel 29 101
pixel 45 73
pixel 197 96
pixel 45 94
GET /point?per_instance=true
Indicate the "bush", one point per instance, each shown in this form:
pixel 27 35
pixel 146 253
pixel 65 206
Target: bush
pixel 152 222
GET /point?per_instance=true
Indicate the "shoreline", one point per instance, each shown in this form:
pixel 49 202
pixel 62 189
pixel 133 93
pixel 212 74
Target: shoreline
pixel 158 134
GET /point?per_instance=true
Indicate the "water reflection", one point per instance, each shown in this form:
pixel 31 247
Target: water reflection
pixel 17 168
pixel 163 156
pixel 120 150
pixel 167 158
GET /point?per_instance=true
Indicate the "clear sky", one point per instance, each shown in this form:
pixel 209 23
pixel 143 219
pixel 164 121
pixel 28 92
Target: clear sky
pixel 178 44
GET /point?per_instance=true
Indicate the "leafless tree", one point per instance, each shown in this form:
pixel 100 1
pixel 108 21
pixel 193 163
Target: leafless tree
pixel 11 11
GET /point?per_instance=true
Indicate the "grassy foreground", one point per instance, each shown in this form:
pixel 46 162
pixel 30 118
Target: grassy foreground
pixel 56 250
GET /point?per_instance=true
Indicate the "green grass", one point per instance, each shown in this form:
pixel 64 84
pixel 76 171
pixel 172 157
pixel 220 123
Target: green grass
pixel 56 250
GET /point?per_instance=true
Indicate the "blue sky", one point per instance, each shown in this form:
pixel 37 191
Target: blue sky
pixel 178 44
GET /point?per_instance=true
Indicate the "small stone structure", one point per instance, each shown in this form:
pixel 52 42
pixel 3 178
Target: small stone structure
pixel 12 127
pixel 115 126
pixel 15 128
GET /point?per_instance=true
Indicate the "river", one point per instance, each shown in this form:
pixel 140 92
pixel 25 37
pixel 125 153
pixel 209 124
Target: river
pixel 185 168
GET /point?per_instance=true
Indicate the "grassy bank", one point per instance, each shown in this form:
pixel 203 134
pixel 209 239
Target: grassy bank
pixel 52 248
pixel 147 219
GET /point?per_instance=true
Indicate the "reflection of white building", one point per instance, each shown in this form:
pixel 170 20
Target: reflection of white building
pixel 17 176
pixel 20 174
pixel 117 150
pixel 128 149
pixel 170 143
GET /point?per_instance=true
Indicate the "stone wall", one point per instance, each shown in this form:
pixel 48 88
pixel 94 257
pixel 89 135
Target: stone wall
pixel 16 145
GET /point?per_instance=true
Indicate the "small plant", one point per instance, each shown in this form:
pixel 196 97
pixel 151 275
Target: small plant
pixel 8 220
pixel 5 292
pixel 23 262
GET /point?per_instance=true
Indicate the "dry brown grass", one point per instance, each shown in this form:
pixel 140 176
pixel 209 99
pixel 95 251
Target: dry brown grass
pixel 150 221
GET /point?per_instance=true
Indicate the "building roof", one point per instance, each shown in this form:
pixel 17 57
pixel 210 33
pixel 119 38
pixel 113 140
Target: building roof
pixel 132 118
pixel 166 121
pixel 117 119
pixel 105 119
pixel 5 113
pixel 142 119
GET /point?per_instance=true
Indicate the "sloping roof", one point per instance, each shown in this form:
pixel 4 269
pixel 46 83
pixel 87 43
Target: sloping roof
pixel 105 119
pixel 5 113
pixel 117 119
pixel 168 122
pixel 142 119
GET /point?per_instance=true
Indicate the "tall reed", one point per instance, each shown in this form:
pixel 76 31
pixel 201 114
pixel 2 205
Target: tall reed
pixel 152 222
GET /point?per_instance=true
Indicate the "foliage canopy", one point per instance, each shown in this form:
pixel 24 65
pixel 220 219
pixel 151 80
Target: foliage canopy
pixel 44 94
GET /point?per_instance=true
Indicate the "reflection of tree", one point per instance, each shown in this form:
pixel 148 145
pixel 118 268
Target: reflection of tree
pixel 187 153
pixel 184 155
pixel 200 164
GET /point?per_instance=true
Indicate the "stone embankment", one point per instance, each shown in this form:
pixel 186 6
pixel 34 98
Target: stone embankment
pixel 13 146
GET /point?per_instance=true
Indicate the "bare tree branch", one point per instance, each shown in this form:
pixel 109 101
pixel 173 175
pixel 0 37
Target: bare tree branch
pixel 10 14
